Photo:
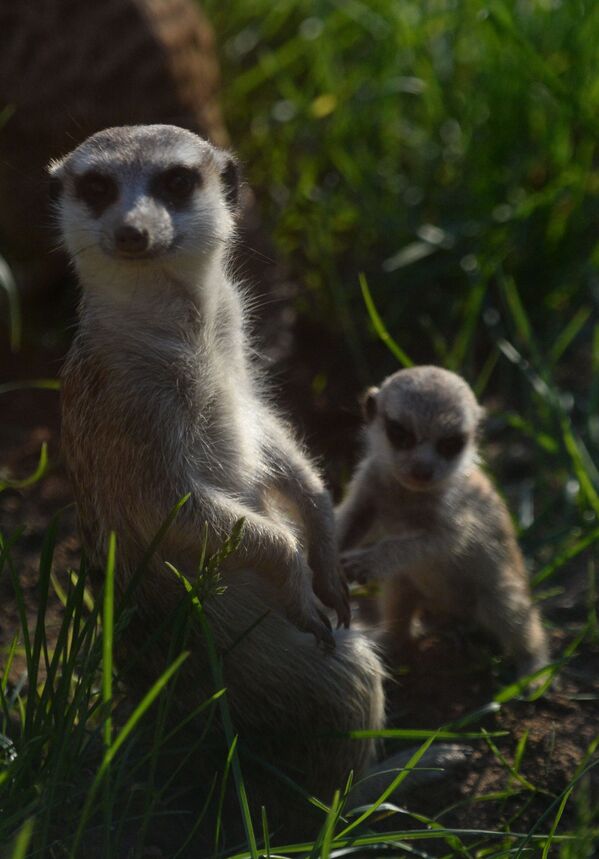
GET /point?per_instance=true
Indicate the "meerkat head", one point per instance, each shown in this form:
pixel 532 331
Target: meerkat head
pixel 422 426
pixel 140 195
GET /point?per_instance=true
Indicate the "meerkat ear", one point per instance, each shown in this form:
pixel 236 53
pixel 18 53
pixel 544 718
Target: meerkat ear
pixel 55 182
pixel 230 175
pixel 369 406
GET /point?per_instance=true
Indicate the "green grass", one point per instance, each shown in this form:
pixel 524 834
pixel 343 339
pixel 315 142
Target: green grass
pixel 431 145
pixel 428 173
pixel 71 760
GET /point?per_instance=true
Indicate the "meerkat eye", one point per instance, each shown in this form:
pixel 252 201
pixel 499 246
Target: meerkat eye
pixel 97 190
pixel 451 445
pixel 177 184
pixel 400 436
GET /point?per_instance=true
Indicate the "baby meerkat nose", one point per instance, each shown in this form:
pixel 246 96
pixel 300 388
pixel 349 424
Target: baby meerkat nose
pixel 422 471
pixel 131 240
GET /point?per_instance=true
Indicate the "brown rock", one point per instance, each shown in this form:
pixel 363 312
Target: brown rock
pixel 69 68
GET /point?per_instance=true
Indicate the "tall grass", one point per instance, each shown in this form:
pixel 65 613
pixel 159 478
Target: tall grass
pixel 71 759
pixel 432 145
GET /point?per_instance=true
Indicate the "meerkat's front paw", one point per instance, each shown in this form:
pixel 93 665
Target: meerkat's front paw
pixel 358 565
pixel 330 586
pixel 303 608
pixel 334 593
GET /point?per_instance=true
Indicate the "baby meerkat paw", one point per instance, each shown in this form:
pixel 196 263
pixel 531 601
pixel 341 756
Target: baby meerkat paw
pixel 358 566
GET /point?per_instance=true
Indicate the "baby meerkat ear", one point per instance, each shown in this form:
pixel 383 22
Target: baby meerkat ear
pixel 369 405
pixel 230 175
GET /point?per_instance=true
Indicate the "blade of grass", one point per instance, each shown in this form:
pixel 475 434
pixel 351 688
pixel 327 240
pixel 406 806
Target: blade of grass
pixel 23 839
pixel 594 391
pixel 556 820
pixel 574 448
pixel 149 554
pixel 30 384
pixel 472 308
pixel 33 478
pixel 524 782
pixel 324 843
pixel 223 793
pixel 12 649
pixel 519 315
pixel 379 325
pixel 482 380
pixel 564 556
pixel 107 637
pixel 418 734
pixel 520 749
pixel 265 834
pixel 107 647
pixel 568 334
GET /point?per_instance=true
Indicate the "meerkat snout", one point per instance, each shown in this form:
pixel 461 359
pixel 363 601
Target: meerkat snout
pixel 130 240
pixel 422 472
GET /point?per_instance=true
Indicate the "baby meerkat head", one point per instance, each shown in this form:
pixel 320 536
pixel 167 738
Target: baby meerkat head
pixel 144 195
pixel 422 426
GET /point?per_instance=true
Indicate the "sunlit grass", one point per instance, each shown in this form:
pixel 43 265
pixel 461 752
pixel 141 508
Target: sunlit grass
pixel 458 140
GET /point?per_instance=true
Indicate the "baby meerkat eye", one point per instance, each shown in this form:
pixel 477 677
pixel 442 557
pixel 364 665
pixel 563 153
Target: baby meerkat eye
pixel 96 190
pixel 450 445
pixel 400 436
pixel 177 184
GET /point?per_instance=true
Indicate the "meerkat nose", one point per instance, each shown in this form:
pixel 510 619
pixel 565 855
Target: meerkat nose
pixel 130 239
pixel 422 471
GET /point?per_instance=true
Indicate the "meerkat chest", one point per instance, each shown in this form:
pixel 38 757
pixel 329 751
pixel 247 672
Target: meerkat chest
pixel 410 516
pixel 173 418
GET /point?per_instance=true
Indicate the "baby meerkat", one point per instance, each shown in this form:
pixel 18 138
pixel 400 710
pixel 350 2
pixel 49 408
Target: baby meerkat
pixel 159 399
pixel 445 542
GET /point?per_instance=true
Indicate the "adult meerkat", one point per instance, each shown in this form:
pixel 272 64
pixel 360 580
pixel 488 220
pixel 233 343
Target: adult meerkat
pixel 159 400
pixel 446 542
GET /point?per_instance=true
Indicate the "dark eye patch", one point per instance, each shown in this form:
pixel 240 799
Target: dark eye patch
pixel 96 190
pixel 399 435
pixel 176 185
pixel 450 445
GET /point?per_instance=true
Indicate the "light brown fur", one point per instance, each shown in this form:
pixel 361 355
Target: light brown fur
pixel 444 542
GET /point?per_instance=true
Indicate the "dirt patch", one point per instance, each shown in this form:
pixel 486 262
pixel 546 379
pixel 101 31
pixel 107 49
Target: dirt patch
pixel 446 680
